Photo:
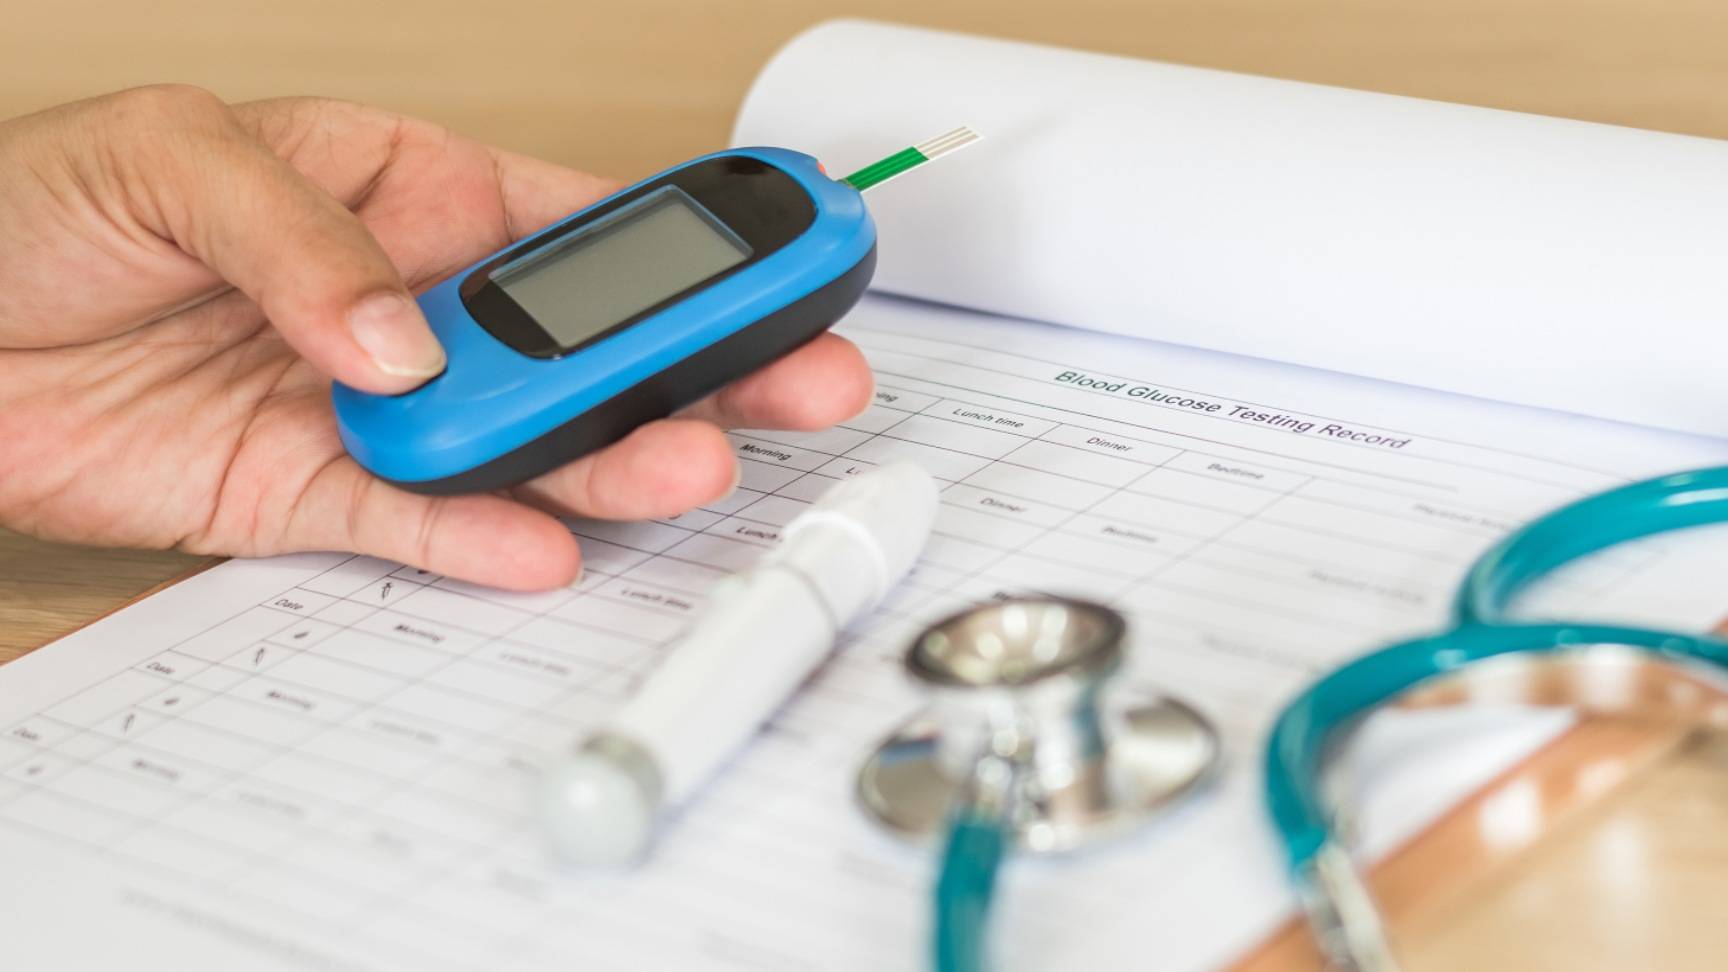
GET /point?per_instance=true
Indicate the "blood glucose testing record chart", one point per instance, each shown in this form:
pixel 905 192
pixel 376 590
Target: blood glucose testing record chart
pixel 323 761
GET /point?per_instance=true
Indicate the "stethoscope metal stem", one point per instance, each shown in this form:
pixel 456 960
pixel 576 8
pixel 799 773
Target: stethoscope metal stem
pixel 1029 681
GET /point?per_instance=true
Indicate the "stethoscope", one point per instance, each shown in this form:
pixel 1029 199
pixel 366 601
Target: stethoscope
pixel 1027 744
pixel 1022 745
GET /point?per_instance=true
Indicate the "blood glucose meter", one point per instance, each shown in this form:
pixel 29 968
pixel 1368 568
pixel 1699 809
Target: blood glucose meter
pixel 622 313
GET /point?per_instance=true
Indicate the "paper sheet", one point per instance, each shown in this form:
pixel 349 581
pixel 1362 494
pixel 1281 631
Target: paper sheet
pixel 1534 260
pixel 321 762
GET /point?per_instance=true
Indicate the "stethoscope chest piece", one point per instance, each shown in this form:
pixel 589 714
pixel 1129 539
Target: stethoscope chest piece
pixel 1027 683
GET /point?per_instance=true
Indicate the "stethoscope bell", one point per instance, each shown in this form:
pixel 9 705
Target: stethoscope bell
pixel 1028 680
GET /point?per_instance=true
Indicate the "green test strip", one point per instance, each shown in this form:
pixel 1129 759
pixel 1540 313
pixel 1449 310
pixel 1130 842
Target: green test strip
pixel 907 159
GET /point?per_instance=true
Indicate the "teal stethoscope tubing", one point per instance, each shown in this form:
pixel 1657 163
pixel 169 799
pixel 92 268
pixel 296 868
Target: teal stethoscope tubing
pixel 971 858
pixel 1296 751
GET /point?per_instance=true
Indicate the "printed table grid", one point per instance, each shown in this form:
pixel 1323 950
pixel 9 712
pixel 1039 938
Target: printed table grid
pixel 214 759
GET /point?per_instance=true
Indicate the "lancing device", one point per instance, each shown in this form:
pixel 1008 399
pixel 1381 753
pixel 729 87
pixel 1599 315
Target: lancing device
pixel 625 312
pixel 759 636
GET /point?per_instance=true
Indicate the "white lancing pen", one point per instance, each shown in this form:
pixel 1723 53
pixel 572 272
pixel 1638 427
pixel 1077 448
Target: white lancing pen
pixel 761 633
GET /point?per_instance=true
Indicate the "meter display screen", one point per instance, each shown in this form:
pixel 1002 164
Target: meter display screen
pixel 645 253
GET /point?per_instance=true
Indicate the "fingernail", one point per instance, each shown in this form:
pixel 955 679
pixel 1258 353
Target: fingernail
pixel 737 479
pixel 393 332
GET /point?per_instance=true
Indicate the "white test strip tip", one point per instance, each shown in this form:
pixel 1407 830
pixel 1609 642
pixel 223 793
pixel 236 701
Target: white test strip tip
pixel 950 141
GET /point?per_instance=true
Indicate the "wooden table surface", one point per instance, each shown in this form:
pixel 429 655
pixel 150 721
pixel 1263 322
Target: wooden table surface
pixel 626 88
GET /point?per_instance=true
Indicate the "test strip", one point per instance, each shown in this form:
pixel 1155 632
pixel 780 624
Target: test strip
pixel 907 159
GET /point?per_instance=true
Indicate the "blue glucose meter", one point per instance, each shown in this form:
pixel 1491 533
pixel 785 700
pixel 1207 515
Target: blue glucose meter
pixel 618 315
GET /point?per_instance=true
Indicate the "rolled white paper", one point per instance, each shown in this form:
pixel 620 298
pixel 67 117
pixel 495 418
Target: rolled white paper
pixel 1547 262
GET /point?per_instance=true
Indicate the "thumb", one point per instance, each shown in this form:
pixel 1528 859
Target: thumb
pixel 223 196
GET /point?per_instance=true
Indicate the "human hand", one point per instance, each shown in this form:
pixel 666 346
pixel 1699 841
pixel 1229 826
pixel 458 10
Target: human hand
pixel 180 280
